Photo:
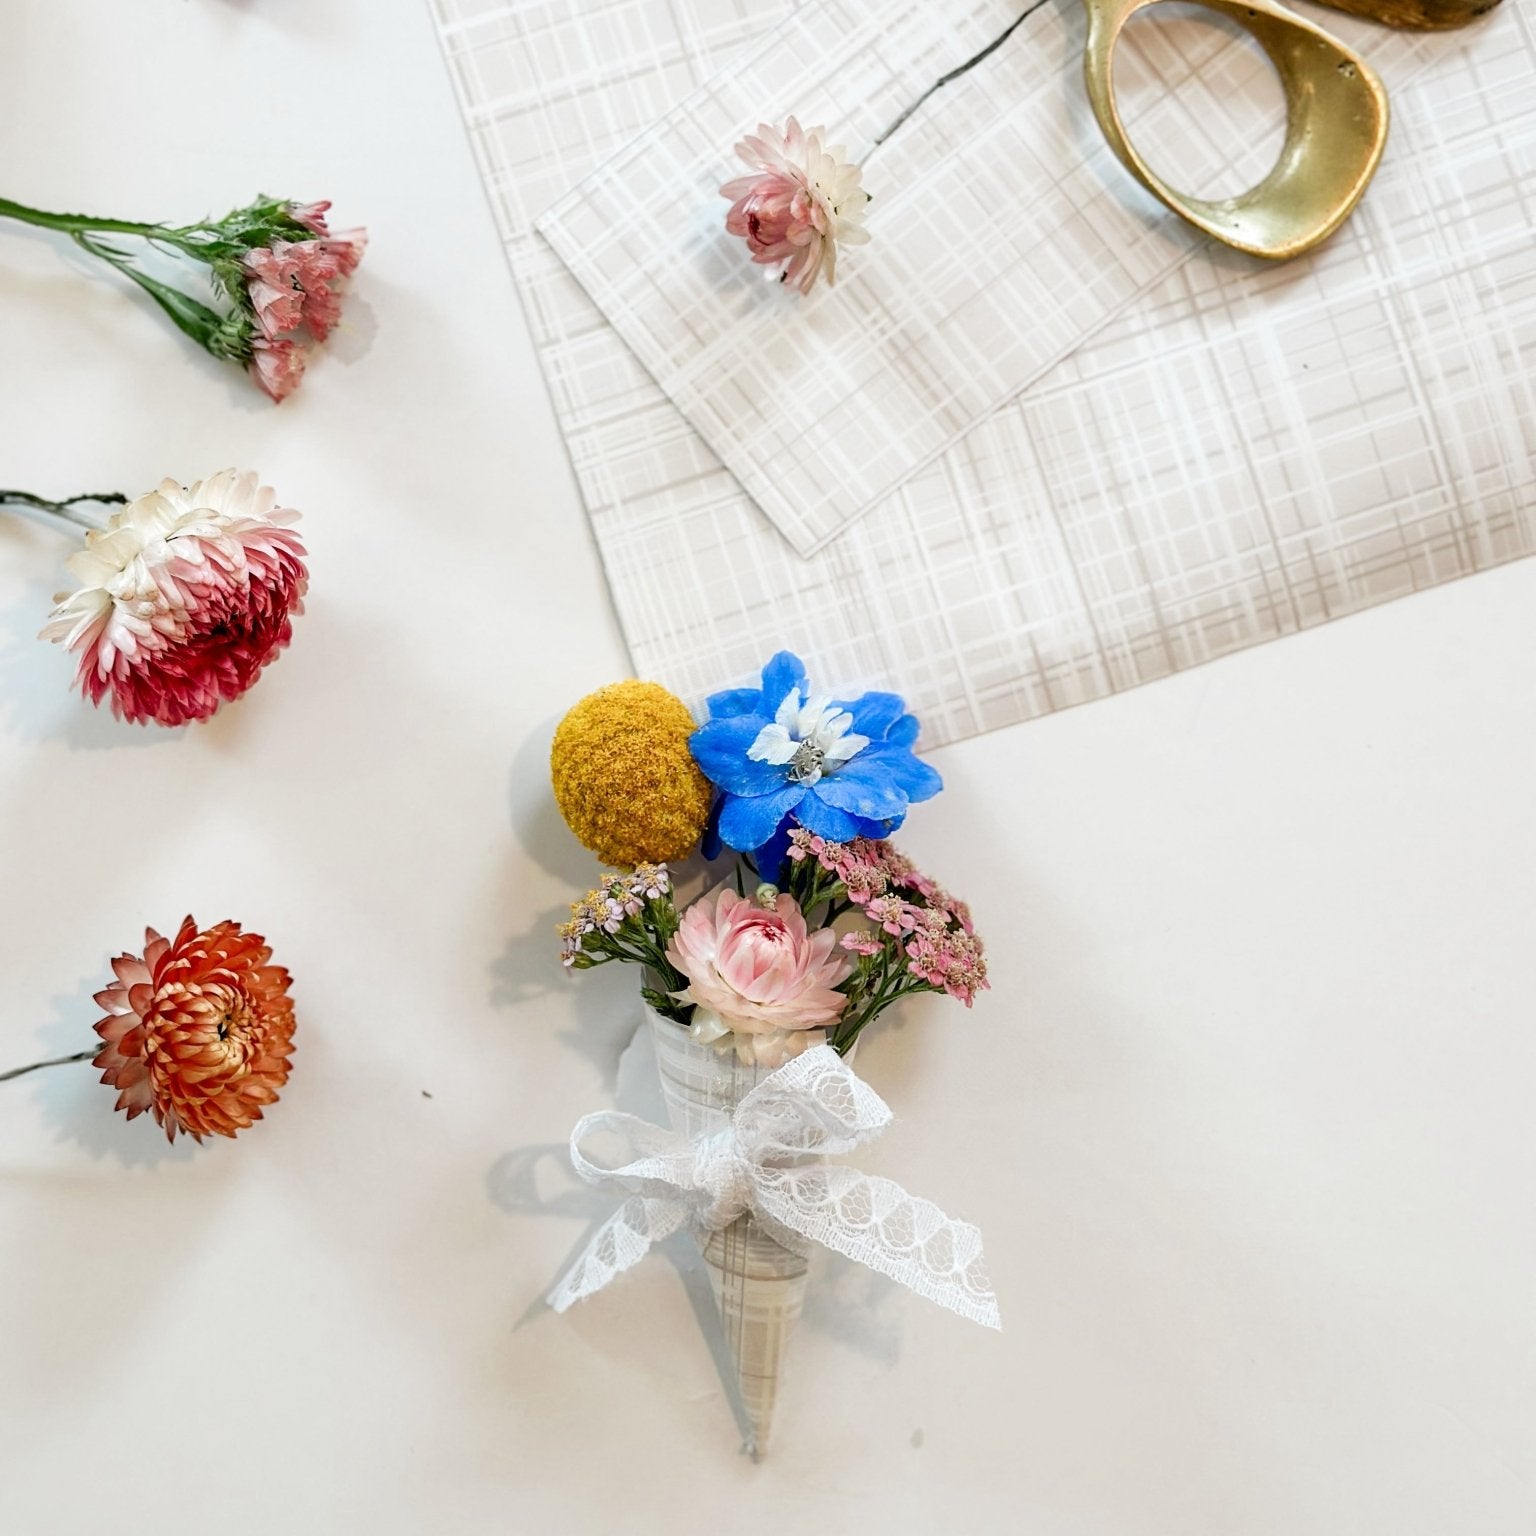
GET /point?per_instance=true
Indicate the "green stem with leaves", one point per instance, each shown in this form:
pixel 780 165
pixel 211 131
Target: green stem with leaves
pixel 223 336
pixel 81 223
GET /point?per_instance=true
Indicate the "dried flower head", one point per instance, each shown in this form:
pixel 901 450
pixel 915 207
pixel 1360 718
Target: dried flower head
pixel 185 596
pixel 293 286
pixel 605 911
pixel 624 778
pixel 757 971
pixel 198 1030
pixel 947 958
pixel 802 200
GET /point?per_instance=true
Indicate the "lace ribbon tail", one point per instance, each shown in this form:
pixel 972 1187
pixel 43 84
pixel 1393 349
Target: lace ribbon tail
pixel 621 1242
pixel 936 1258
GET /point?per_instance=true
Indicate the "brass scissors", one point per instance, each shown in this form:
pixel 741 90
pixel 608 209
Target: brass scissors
pixel 1336 118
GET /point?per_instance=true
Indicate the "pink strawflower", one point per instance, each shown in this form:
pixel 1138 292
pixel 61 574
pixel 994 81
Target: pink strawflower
pixel 185 596
pixel 758 973
pixel 801 202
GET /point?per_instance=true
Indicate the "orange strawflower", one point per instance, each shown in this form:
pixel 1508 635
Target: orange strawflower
pixel 198 1029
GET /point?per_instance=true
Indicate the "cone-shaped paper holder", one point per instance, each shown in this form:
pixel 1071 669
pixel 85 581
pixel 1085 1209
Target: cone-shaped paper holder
pixel 759 1284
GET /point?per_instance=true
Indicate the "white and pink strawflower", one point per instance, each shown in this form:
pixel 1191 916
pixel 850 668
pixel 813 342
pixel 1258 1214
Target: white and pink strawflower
pixel 185 596
pixel 802 200
pixel 757 978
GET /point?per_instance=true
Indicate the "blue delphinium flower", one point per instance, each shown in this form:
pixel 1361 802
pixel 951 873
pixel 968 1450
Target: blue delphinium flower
pixel 779 753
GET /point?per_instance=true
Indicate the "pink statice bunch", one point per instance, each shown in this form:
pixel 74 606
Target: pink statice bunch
pixel 275 268
pixel 802 200
pixel 758 977
pixel 293 287
pixel 184 598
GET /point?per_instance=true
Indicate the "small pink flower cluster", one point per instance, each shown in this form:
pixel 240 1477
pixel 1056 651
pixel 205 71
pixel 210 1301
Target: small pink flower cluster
pixel 610 905
pixel 293 285
pixel 898 899
pixel 946 957
pixel 870 869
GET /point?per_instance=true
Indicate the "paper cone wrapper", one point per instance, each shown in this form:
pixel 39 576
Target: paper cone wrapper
pixel 759 1284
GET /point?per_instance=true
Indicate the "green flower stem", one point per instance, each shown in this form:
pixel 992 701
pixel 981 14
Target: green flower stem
pixel 64 510
pixel 189 316
pixel 894 982
pixel 57 1061
pixel 80 223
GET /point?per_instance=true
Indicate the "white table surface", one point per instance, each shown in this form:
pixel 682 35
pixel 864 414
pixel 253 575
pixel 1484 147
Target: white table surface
pixel 1246 1119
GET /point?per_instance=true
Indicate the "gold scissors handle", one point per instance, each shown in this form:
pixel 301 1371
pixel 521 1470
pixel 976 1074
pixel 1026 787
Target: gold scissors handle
pixel 1422 15
pixel 1336 124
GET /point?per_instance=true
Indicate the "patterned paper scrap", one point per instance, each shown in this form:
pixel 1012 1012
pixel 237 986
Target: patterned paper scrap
pixel 1004 234
pixel 986 591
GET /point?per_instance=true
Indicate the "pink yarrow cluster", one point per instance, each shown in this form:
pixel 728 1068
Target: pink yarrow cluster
pixel 606 908
pixel 934 928
pixel 293 287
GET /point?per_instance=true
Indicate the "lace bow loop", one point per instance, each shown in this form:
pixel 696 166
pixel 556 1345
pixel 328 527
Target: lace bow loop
pixel 809 1108
pixel 767 1160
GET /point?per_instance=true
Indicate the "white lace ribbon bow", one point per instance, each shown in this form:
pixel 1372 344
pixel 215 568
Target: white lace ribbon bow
pixel 761 1162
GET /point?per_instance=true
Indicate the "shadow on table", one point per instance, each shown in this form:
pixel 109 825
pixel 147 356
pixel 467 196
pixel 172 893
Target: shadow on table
pixel 73 1099
pixel 844 1301
pixel 529 967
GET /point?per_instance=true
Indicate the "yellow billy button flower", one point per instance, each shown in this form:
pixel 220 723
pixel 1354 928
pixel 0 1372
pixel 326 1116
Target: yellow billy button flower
pixel 624 777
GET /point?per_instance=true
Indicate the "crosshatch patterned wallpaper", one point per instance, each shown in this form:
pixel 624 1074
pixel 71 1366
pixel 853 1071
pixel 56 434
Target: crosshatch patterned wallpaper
pixel 1242 452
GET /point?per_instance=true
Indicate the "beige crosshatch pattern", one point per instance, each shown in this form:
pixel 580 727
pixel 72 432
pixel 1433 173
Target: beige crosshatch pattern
pixel 1244 452
pixel 1004 233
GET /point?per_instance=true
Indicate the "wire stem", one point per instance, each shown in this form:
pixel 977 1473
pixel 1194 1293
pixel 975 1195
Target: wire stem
pixel 962 69
pixel 57 1061
pixel 65 509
